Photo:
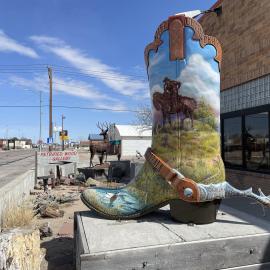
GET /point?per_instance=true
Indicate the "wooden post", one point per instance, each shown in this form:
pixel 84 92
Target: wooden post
pixel 36 167
pixel 63 142
pixel 50 108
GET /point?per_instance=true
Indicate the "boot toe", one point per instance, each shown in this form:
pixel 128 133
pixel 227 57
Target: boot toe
pixel 113 203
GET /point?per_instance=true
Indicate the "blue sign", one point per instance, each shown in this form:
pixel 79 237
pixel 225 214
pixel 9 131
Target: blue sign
pixel 50 140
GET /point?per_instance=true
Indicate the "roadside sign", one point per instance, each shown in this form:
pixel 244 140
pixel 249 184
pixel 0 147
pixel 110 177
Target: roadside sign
pixel 65 138
pixel 47 157
pixel 63 133
pixel 50 140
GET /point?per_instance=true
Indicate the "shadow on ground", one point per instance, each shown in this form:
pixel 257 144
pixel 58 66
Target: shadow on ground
pixel 59 254
pixel 249 207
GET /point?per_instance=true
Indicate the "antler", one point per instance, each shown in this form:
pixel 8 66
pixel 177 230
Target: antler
pixel 103 126
pixel 100 127
pixel 107 125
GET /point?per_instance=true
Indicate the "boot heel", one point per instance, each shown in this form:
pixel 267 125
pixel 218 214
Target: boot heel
pixel 197 213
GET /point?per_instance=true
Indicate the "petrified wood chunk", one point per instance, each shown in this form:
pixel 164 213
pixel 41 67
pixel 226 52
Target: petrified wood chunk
pixel 20 249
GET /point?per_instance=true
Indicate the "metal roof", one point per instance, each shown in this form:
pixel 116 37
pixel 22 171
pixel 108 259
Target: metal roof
pixel 134 131
pixel 95 137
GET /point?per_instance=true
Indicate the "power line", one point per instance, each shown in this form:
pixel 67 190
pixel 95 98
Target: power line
pixel 70 107
pixel 113 73
pixel 23 68
pixel 33 66
pixel 97 76
pixel 19 65
pixel 73 73
pixel 92 72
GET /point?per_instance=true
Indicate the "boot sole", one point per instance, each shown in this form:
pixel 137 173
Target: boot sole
pixel 113 217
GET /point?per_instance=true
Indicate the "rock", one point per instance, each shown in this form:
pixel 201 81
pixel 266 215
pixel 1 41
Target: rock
pixel 33 192
pixel 37 187
pixel 20 249
pixel 45 230
pixel 80 177
pixel 51 211
pixel 92 182
pixel 71 175
pixel 67 198
pixel 66 181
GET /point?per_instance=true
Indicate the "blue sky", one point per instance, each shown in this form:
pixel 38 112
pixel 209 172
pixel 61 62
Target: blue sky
pixel 96 51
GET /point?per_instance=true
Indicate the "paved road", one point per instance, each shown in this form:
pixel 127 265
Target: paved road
pixel 14 163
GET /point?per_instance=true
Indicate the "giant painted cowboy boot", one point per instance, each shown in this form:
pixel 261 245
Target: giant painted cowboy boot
pixel 184 163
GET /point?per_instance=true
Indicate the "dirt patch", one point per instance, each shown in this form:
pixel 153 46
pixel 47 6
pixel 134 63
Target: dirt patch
pixel 58 249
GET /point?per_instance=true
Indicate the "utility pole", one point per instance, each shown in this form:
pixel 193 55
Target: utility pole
pixel 40 119
pixel 50 108
pixel 63 141
pixel 54 131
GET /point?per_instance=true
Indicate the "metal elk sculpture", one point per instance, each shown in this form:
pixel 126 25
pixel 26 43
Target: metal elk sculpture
pixel 102 148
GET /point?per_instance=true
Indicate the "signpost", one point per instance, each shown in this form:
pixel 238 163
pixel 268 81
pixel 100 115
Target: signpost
pixel 50 140
pixel 64 135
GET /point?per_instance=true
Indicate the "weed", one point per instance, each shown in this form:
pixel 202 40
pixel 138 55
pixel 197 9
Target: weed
pixel 17 216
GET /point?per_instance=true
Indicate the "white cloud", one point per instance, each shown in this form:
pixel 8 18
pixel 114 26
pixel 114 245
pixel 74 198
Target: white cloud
pixel 156 59
pixel 79 89
pixel 117 107
pixel 68 86
pixel 123 84
pixel 156 88
pixel 8 44
pixel 199 79
pixel 37 83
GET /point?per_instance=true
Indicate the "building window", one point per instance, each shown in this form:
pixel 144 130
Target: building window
pixel 256 134
pixel 232 144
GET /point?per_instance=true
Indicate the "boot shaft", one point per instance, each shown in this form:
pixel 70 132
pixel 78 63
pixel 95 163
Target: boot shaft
pixel 183 68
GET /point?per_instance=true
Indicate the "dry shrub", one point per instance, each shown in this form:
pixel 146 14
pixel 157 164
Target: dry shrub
pixel 17 216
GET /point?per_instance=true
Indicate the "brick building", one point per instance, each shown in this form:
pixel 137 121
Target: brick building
pixel 243 29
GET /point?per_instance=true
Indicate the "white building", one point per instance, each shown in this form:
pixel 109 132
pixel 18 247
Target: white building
pixel 132 138
pixel 15 144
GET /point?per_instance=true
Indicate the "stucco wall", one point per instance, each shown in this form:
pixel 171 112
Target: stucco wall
pixel 16 190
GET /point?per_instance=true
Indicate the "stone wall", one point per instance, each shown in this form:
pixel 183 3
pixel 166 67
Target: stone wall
pixel 243 30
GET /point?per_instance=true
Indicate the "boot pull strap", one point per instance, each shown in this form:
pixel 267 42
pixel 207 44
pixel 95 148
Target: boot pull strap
pixel 187 188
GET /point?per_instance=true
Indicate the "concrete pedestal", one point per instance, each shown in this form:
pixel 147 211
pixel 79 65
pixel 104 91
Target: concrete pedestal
pixel 235 241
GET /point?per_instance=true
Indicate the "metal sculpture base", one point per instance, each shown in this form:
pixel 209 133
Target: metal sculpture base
pixel 197 213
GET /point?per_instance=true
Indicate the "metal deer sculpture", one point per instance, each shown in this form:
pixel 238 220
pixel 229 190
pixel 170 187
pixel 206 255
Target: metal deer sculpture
pixel 102 147
pixel 171 103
